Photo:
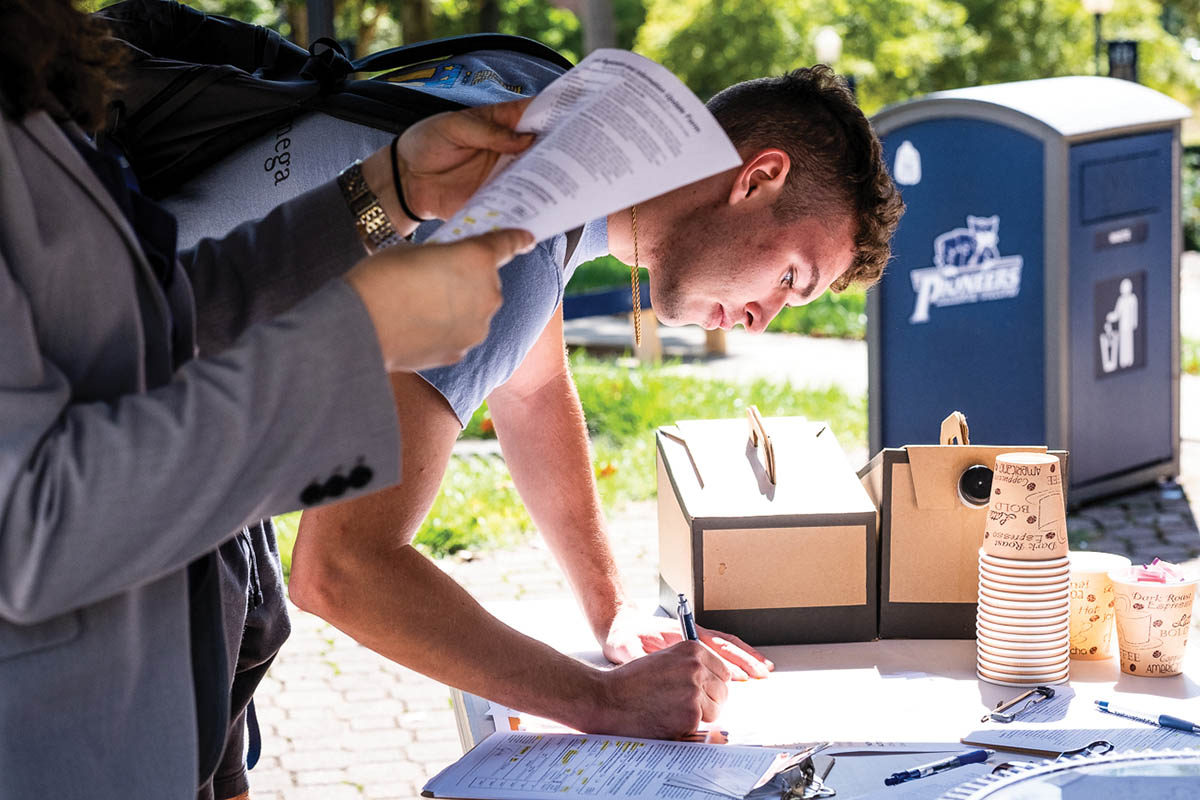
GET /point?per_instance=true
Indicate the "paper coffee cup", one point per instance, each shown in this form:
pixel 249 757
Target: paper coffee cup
pixel 1029 591
pixel 1092 604
pixel 1026 632
pixel 1037 644
pixel 998 653
pixel 1037 583
pixel 1152 623
pixel 1049 667
pixel 1026 519
pixel 1023 565
pixel 1033 572
pixel 1024 620
pixel 1001 679
pixel 1059 601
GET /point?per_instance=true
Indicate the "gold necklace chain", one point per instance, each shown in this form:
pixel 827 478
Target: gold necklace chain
pixel 635 284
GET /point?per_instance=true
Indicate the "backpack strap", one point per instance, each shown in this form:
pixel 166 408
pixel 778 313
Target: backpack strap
pixel 253 736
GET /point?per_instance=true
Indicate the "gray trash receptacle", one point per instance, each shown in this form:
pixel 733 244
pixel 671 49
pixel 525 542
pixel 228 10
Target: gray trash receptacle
pixel 1035 278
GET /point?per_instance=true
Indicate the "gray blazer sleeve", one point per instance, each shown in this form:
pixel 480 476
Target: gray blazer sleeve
pixel 266 266
pixel 97 497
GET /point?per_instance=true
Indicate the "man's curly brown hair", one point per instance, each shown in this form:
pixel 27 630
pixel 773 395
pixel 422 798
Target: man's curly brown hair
pixel 56 58
pixel 837 161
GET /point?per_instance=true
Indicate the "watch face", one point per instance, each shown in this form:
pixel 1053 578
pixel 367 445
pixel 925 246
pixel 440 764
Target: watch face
pixel 1090 777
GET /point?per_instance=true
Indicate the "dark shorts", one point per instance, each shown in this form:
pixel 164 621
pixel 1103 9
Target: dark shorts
pixel 256 626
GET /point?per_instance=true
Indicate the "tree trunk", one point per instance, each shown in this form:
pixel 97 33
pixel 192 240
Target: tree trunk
pixel 320 20
pixel 297 19
pixel 599 25
pixel 489 16
pixel 368 23
pixel 416 21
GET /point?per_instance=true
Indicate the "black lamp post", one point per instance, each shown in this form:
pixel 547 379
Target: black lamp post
pixel 1098 8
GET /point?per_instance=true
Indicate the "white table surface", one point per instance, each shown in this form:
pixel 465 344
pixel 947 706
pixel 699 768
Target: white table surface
pixel 896 690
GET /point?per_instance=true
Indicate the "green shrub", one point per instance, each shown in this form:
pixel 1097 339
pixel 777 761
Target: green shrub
pixel 838 316
pixel 478 507
pixel 1189 356
pixel 623 406
pixel 605 272
pixel 285 535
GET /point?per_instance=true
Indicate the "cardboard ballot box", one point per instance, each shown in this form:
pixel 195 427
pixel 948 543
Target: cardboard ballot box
pixel 931 531
pixel 775 543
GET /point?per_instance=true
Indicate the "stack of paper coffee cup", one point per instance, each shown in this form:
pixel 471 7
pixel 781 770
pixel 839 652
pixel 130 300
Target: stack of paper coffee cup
pixel 1023 624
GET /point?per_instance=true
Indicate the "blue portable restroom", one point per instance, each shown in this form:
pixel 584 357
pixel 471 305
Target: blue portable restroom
pixel 1035 278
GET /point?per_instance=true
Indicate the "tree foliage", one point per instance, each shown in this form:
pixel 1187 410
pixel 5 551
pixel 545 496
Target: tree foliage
pixel 900 48
pixel 896 49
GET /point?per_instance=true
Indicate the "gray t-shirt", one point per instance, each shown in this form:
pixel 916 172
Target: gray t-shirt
pixel 313 149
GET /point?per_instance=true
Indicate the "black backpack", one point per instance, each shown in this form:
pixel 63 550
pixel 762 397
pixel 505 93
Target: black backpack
pixel 202 85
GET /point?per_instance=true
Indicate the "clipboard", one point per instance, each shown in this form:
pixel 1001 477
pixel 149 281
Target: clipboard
pixel 515 765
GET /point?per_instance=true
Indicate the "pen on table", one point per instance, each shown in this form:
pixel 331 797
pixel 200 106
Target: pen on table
pixel 686 620
pixel 1162 720
pixel 925 770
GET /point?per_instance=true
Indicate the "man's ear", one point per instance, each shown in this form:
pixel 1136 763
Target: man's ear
pixel 761 178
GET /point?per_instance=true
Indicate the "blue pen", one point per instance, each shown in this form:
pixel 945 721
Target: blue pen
pixel 1162 720
pixel 925 770
pixel 686 620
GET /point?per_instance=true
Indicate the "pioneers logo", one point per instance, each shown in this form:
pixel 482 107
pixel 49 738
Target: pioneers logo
pixel 967 268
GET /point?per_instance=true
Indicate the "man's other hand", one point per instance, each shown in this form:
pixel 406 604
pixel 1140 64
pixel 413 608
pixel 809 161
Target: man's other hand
pixel 443 159
pixel 634 633
pixel 662 696
pixel 432 303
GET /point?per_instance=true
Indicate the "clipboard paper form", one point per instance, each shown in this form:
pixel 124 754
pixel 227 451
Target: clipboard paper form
pixel 615 131
pixel 1058 726
pixel 522 765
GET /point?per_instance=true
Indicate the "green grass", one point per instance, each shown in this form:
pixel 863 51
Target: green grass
pixel 285 536
pixel 1189 356
pixel 478 507
pixel 840 316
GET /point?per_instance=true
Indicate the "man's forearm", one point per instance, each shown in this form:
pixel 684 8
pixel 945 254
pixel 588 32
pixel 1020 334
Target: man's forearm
pixel 352 565
pixel 398 603
pixel 545 443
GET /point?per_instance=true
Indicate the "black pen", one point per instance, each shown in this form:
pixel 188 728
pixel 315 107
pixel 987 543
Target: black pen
pixel 686 620
pixel 925 770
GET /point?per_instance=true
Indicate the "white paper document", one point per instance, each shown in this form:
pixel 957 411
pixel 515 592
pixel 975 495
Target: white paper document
pixel 1060 725
pixel 615 131
pixel 525 766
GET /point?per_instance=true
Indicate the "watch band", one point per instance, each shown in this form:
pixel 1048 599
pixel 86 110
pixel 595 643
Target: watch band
pixel 373 224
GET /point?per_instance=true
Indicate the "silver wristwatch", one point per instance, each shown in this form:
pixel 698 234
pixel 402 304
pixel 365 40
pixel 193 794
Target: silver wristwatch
pixel 373 224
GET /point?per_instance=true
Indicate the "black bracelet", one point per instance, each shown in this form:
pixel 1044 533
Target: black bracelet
pixel 408 212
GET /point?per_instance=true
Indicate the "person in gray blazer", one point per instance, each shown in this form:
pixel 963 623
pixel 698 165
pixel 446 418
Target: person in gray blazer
pixel 148 411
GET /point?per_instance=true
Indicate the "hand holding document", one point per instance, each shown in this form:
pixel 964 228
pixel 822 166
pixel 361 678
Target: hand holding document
pixel 613 132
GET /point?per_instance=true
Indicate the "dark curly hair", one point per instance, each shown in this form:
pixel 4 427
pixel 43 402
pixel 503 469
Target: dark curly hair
pixel 837 160
pixel 58 59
